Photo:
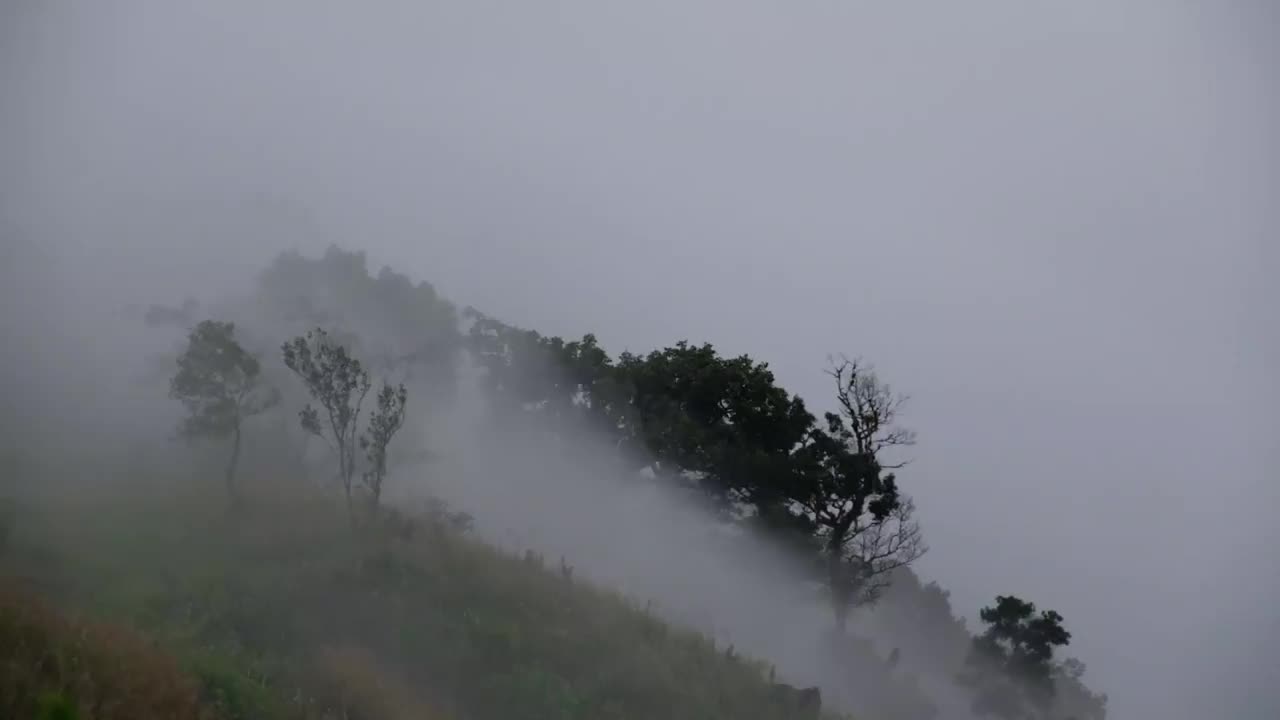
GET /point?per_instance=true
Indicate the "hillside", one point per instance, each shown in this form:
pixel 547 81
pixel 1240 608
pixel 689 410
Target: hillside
pixel 691 484
pixel 283 612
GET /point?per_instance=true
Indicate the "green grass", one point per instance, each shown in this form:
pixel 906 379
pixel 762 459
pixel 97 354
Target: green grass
pixel 285 612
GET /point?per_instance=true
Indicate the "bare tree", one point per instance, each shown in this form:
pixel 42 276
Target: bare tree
pixel 870 407
pixel 867 527
pixel 874 550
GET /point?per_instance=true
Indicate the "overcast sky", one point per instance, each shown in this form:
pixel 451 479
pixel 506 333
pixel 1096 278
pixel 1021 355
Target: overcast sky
pixel 1053 224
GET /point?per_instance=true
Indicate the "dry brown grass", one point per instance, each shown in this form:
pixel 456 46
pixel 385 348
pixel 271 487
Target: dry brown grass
pixel 104 672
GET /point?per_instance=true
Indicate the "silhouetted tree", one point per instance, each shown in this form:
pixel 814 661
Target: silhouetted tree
pixel 219 383
pixel 339 383
pixel 1010 665
pixel 386 419
pixel 724 422
pixel 867 527
pixel 875 548
pixel 870 409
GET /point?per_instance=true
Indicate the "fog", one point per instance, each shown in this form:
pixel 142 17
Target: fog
pixel 1052 226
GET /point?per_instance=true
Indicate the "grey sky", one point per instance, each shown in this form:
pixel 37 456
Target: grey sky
pixel 1052 224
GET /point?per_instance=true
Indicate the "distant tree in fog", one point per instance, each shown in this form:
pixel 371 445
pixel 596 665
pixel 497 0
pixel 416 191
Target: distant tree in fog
pixel 407 330
pixel 165 316
pixel 1072 700
pixel 1010 665
pixel 339 383
pixel 220 385
pixel 386 420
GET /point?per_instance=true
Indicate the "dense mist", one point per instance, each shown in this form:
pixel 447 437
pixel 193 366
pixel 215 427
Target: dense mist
pixel 1053 228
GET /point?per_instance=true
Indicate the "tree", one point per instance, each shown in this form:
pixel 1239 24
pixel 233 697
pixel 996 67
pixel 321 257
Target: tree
pixel 874 549
pixel 339 383
pixel 1010 665
pixel 870 407
pixel 219 383
pixel 724 421
pixel 386 420
pixel 1072 700
pixel 721 425
pixel 868 528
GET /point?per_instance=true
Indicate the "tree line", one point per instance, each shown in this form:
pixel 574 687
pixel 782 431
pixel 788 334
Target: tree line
pixel 719 428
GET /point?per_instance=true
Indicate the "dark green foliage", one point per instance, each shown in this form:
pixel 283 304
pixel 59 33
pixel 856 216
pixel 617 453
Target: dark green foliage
pixel 220 385
pixel 825 488
pixel 723 419
pixel 1010 665
pixel 724 427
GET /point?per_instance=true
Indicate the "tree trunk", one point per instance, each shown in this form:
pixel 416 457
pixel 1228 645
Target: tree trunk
pixel 233 495
pixel 842 615
pixel 836 580
pixel 347 470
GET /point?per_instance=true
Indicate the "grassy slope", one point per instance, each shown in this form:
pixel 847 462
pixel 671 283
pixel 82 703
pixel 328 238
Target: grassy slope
pixel 283 612
pixel 55 666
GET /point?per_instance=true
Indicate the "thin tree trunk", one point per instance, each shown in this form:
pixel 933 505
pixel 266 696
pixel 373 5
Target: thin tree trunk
pixel 842 616
pixel 346 463
pixel 837 581
pixel 233 495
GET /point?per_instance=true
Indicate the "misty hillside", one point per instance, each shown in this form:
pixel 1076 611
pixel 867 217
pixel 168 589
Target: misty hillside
pixel 914 351
pixel 338 493
pixel 259 616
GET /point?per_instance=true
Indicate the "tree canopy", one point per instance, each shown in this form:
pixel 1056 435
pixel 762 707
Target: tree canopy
pixel 1010 664
pixel 724 427
pixel 220 385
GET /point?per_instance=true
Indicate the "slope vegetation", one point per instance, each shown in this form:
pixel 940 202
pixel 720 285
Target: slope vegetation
pixel 284 611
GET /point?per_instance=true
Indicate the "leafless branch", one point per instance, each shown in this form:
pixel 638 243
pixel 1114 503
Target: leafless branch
pixel 871 408
pixel 875 549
